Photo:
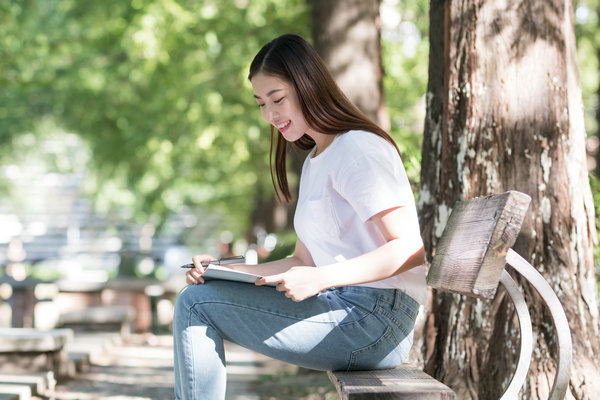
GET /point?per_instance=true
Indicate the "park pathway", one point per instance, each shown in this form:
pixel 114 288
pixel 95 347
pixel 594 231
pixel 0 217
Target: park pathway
pixel 141 368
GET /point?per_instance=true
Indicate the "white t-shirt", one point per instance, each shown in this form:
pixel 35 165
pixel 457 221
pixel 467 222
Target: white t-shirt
pixel 357 176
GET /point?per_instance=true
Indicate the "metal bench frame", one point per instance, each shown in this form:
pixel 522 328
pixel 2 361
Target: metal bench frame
pixel 559 318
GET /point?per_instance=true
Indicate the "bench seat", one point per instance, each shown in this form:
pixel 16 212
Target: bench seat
pixel 100 318
pixel 39 384
pixel 14 392
pixel 88 348
pixel 405 382
pixel 24 350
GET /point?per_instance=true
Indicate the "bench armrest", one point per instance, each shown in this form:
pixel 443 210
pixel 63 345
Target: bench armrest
pixel 559 318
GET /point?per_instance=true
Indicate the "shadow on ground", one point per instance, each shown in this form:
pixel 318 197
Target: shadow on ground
pixel 141 368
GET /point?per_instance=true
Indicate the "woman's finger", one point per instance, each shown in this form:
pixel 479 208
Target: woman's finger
pixel 194 276
pixel 189 279
pixel 200 258
pixel 269 279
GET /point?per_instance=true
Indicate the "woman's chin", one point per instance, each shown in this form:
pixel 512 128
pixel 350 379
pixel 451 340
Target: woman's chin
pixel 290 137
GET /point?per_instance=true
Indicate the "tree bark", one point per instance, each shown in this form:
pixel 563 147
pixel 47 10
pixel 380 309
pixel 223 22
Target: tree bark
pixel 504 111
pixel 346 34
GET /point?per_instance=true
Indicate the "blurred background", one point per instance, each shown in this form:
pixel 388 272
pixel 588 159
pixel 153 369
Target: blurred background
pixel 130 140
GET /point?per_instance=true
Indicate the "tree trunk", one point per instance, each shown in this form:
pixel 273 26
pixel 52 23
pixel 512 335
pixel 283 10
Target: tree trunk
pixel 504 111
pixel 346 34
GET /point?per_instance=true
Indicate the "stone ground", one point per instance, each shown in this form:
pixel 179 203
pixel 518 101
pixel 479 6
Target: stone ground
pixel 142 368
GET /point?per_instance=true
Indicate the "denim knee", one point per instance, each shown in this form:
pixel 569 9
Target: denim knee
pixel 186 300
pixel 182 301
pixel 191 299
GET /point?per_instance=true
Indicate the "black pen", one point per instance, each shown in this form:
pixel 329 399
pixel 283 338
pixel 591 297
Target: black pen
pixel 221 261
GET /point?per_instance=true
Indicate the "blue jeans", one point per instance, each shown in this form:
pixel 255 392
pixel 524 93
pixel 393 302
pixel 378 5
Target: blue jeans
pixel 347 328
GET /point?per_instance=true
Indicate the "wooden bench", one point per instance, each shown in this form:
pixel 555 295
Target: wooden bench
pixel 26 351
pixel 24 386
pixel 100 318
pixel 470 260
pixel 88 348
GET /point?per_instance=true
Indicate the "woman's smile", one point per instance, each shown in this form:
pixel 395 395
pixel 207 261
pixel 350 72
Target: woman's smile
pixel 283 126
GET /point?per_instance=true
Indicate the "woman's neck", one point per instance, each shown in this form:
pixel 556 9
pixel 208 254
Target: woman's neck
pixel 322 141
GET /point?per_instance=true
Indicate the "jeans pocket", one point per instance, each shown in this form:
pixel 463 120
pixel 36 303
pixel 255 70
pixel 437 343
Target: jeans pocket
pixel 376 355
pixel 407 305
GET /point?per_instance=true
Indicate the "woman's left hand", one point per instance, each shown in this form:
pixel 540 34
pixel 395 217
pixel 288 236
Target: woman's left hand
pixel 298 283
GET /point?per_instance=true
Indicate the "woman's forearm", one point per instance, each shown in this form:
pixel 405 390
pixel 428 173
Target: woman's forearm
pixel 270 268
pixel 301 257
pixel 394 257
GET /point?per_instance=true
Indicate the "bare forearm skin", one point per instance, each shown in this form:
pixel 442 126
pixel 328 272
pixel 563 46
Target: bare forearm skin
pixel 270 268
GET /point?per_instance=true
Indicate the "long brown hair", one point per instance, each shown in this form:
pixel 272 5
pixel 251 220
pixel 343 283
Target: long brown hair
pixel 324 106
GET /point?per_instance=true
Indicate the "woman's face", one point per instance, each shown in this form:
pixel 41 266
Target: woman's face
pixel 279 105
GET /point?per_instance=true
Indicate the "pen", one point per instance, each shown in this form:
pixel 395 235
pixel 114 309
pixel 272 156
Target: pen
pixel 221 261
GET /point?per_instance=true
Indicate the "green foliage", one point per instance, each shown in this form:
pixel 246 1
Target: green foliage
pixel 286 243
pixel 588 51
pixel 405 55
pixel 157 88
pixel 588 39
pixel 595 184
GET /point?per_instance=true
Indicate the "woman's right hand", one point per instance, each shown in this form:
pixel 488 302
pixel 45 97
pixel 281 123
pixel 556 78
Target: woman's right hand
pixel 194 275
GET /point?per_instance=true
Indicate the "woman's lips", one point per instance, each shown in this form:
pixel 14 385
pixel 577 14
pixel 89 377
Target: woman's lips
pixel 282 127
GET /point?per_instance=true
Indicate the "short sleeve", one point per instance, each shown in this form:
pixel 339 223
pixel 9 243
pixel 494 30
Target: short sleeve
pixel 374 182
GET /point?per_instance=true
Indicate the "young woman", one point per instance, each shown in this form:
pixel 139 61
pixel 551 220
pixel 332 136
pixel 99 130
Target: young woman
pixel 348 296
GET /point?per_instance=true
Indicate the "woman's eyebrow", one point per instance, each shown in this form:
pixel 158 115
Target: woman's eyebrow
pixel 269 93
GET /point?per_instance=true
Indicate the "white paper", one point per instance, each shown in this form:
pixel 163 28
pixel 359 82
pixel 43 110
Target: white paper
pixel 228 274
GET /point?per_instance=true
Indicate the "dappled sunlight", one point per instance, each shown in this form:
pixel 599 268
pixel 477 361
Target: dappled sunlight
pixel 130 141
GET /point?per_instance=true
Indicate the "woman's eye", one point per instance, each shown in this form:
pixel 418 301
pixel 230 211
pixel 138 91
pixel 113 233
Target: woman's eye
pixel 261 105
pixel 278 100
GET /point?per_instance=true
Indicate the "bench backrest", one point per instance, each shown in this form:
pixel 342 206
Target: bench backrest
pixel 470 259
pixel 471 254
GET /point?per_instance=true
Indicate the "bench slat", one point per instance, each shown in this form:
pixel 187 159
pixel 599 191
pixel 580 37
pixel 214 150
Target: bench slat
pixel 17 392
pixel 405 382
pixel 33 350
pixel 39 383
pixel 470 255
pixel 33 340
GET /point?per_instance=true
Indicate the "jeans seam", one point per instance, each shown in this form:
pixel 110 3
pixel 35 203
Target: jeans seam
pixel 354 355
pixel 193 358
pixel 295 318
pixel 396 321
pixel 367 312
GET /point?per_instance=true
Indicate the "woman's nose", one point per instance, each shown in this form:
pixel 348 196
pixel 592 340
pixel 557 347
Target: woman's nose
pixel 270 114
